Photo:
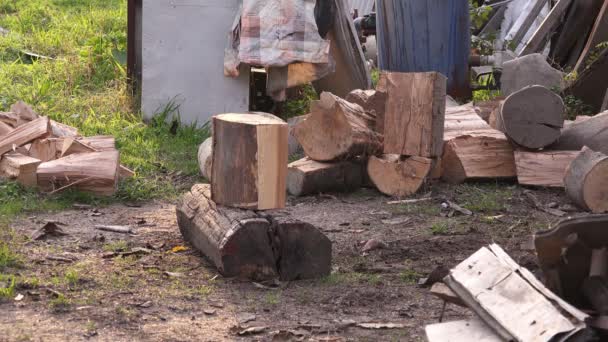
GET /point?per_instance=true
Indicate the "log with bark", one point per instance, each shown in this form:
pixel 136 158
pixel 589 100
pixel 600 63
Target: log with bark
pixel 337 129
pixel 205 158
pixel 95 172
pixel 592 132
pixel 399 176
pixel 532 117
pixel 246 244
pixel 371 101
pixel 249 161
pixel 20 167
pixel 415 113
pixel 586 181
pixel 25 133
pixel 546 168
pixel 306 176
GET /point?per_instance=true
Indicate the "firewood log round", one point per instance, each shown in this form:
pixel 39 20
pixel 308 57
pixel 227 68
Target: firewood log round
pixel 586 181
pixel 532 117
pixel 591 132
pixel 337 129
pixel 398 176
pixel 307 176
pixel 205 158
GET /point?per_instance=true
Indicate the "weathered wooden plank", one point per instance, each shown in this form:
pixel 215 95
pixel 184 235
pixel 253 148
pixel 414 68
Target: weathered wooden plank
pixel 546 29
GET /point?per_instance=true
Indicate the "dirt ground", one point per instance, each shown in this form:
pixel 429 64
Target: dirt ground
pixel 101 286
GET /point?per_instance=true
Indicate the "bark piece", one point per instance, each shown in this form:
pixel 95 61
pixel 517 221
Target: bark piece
pixel 399 176
pixel 306 176
pixel 546 168
pixel 100 143
pixel 532 117
pixel 415 113
pixel 586 181
pixel 20 167
pixel 95 172
pixel 25 133
pixel 337 129
pixel 205 158
pixel 243 243
pixel 371 101
pixel 249 161
pixel 592 133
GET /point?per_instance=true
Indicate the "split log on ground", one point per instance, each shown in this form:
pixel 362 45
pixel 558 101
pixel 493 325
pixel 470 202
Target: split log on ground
pixel 485 108
pixel 307 176
pixel 399 176
pixel 592 133
pixel 71 146
pixel 20 167
pixel 587 181
pixel 46 149
pixel 337 129
pixel 546 168
pixel 60 130
pixel 5 128
pixel 371 100
pixel 24 112
pixel 473 150
pixel 100 142
pixel 249 161
pixel 205 158
pixel 532 117
pixel 415 113
pixel 9 118
pixel 242 243
pixel 95 172
pixel 25 133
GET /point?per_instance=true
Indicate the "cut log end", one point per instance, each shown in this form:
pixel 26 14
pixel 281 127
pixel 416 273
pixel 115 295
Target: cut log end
pixel 397 176
pixel 586 181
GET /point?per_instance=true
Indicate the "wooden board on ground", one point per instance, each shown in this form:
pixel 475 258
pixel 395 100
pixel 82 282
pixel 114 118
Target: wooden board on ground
pixel 246 244
pixel 249 161
pixel 371 100
pixel 415 113
pixel 532 117
pixel 25 133
pixel 586 181
pixel 337 130
pixel 545 168
pixel 306 176
pixel 19 167
pixel 95 172
pixel 461 331
pixel 399 176
pixel 592 132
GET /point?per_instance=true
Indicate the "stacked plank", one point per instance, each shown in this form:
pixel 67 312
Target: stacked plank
pixel 39 152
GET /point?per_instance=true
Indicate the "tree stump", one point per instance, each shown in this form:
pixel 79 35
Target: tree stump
pixel 586 181
pixel 532 117
pixel 249 161
pixel 306 176
pixel 338 130
pixel 398 176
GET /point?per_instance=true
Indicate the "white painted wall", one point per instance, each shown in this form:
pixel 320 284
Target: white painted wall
pixel 183 45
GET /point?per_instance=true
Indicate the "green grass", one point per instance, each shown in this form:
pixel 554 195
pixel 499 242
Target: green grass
pixel 486 198
pixel 84 85
pixel 7 287
pixel 8 258
pixel 440 228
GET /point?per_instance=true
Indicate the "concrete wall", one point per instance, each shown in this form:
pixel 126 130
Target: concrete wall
pixel 183 58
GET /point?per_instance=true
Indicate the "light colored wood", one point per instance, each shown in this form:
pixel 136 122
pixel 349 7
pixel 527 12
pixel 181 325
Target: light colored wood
pixel 60 130
pixel 24 112
pixel 124 172
pixel 598 34
pixel 20 167
pixel 5 129
pixel 592 133
pixel 205 158
pixel 101 167
pixel 586 181
pixel 46 149
pixel 100 143
pixel 415 113
pixel 25 133
pixel 306 176
pixel 515 306
pixel 485 108
pixel 371 100
pixel 546 168
pixel 524 22
pixel 540 38
pixel 249 161
pixel 399 176
pixel 9 118
pixel 71 146
pixel 461 331
pixel 338 130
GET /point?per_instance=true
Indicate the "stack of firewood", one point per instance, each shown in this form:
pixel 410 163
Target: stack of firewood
pixel 40 152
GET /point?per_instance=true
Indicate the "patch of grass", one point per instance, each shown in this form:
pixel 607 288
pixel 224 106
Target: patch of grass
pixel 346 278
pixel 409 276
pixel 485 198
pixel 116 246
pixel 60 303
pixel 272 298
pixel 424 208
pixel 8 257
pixel 7 291
pixel 300 105
pixel 440 228
pixel 72 277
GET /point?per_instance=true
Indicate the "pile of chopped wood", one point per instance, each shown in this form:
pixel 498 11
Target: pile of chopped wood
pixel 40 152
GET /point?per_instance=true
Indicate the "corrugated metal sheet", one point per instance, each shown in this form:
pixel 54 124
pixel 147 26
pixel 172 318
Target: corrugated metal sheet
pixel 364 6
pixel 426 35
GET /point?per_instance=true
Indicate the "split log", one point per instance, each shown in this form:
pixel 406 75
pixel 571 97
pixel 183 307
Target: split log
pixel 100 143
pixel 25 133
pixel 95 172
pixel 415 113
pixel 5 129
pixel 46 149
pixel 578 119
pixel 337 130
pixel 587 181
pixel 60 130
pixel 24 112
pixel 249 161
pixel 399 176
pixel 243 243
pixel 9 118
pixel 592 133
pixel 485 108
pixel 545 168
pixel 306 176
pixel 72 146
pixel 371 101
pixel 532 117
pixel 20 167
pixel 205 158
pixel 473 150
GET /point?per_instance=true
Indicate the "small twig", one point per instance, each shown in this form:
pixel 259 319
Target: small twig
pixel 411 201
pixel 71 185
pixel 115 229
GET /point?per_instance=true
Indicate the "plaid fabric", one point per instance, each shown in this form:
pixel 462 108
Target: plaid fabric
pixel 276 33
